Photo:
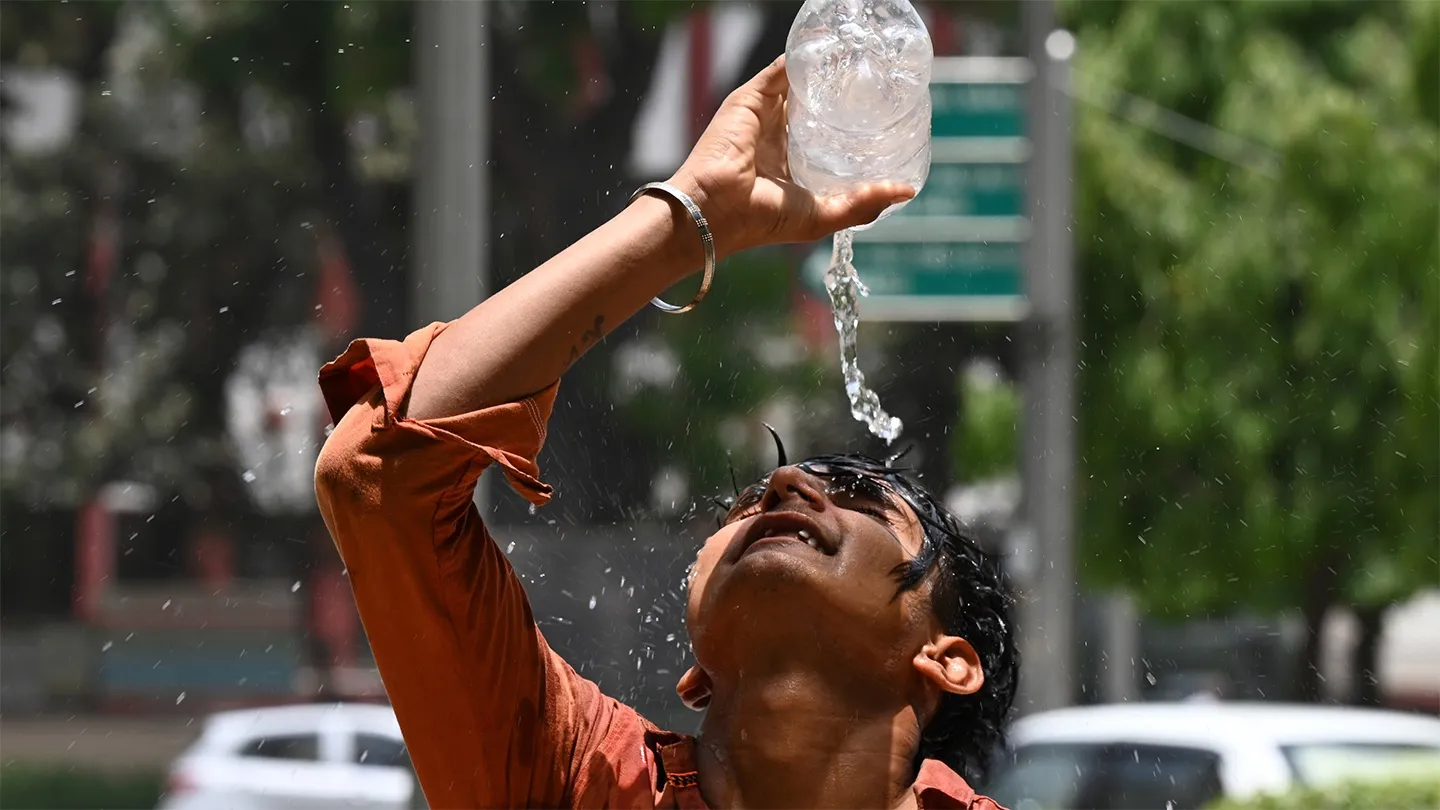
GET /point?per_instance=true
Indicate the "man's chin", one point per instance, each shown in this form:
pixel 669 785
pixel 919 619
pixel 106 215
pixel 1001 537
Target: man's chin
pixel 765 595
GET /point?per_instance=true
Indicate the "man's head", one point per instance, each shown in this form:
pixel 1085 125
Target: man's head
pixel 842 567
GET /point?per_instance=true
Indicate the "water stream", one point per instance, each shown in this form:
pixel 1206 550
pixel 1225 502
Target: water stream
pixel 845 288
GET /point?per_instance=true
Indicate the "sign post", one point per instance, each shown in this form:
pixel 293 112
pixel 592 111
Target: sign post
pixel 956 252
pixel 1048 367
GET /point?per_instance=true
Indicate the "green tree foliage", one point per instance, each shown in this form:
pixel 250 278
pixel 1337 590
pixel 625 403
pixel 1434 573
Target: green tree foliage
pixel 1259 383
pixel 64 787
pixel 1420 793
pixel 141 254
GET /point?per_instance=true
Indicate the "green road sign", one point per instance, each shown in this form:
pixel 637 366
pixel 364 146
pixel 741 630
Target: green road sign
pixel 933 281
pixel 955 253
pixel 971 190
pixel 971 110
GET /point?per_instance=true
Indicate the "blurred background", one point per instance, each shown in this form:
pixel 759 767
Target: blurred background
pixel 204 201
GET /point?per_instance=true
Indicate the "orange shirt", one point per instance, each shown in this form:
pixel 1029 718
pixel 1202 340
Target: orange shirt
pixel 492 716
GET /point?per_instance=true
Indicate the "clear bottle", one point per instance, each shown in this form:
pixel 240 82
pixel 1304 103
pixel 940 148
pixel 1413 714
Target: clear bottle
pixel 859 108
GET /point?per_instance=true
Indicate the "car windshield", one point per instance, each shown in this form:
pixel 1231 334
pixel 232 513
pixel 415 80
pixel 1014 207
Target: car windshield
pixel 1043 776
pixel 1330 763
pixel 1116 776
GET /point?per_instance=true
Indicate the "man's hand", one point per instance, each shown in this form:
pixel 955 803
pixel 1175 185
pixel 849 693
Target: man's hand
pixel 739 175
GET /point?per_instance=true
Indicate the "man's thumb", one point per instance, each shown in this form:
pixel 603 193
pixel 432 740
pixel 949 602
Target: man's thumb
pixel 863 205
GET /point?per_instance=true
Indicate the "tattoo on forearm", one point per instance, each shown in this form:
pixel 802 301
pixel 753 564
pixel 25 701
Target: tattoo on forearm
pixel 589 337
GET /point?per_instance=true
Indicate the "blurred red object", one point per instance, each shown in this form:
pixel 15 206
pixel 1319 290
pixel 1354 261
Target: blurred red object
pixel 337 298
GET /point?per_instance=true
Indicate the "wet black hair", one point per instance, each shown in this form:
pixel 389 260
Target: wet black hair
pixel 970 596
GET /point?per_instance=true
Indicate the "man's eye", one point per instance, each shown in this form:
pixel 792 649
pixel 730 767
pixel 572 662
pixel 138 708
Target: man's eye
pixel 746 504
pixel 871 511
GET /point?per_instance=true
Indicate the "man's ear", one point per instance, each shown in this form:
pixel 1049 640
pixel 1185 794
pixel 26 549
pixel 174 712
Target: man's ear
pixel 694 688
pixel 951 664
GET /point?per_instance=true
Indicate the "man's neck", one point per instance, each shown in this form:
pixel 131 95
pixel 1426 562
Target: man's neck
pixel 788 741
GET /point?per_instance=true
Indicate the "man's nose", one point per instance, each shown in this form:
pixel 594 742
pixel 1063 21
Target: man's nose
pixel 791 482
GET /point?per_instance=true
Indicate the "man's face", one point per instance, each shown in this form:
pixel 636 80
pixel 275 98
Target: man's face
pixel 802 574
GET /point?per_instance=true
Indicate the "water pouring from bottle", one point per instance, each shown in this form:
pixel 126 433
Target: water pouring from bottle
pixel 845 288
pixel 859 113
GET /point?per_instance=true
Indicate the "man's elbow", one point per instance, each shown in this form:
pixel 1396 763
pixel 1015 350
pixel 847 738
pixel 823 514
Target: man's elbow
pixel 334 471
pixel 347 471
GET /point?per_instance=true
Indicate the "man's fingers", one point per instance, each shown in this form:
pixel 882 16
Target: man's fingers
pixel 860 207
pixel 771 81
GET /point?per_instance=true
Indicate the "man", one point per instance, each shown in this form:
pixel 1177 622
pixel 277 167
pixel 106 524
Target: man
pixel 846 633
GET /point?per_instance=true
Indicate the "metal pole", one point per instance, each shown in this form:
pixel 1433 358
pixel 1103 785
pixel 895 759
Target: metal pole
pixel 1121 646
pixel 1049 364
pixel 451 194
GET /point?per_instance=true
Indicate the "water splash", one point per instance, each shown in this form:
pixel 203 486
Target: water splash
pixel 845 288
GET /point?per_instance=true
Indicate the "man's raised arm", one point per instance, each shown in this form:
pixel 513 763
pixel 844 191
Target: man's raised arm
pixel 524 337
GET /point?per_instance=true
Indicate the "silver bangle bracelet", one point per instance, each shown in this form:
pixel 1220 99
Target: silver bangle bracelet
pixel 707 241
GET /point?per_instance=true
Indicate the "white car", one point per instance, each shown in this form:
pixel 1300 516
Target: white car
pixel 306 757
pixel 1144 756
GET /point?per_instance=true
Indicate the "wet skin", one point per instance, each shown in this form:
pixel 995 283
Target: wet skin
pixel 755 572
pixel 812 662
pixel 754 581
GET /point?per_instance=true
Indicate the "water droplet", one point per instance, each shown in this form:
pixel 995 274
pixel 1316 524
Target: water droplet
pixel 248 476
pixel 180 699
pixel 534 509
pixel 166 605
pixel 285 411
pixel 510 548
pixel 234 59
pixel 107 645
pixel 592 602
pixel 295 587
pixel 224 309
pixel 104 92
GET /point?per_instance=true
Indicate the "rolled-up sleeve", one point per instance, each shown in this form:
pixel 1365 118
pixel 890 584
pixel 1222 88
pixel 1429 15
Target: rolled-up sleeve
pixel 491 715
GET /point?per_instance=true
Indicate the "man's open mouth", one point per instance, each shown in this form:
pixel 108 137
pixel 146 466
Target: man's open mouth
pixel 779 527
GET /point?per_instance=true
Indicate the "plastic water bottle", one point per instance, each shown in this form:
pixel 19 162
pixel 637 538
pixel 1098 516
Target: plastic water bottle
pixel 859 113
pixel 859 105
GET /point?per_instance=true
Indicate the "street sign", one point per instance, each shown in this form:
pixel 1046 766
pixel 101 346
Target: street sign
pixel 979 96
pixel 934 281
pixel 971 190
pixel 955 252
